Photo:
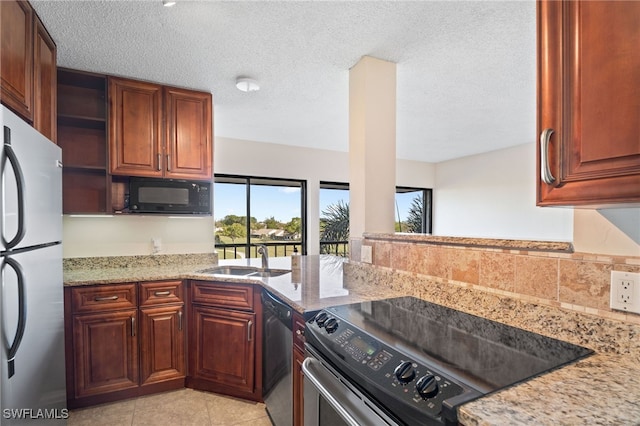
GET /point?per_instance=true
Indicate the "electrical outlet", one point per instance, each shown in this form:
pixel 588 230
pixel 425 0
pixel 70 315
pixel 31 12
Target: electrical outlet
pixel 366 254
pixel 625 291
pixel 156 245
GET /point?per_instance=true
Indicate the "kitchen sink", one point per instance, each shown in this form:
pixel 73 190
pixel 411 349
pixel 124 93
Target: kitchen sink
pixel 266 273
pixel 244 271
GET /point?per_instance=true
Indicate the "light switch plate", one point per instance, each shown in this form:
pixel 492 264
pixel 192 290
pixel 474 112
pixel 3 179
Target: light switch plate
pixel 625 291
pixel 366 254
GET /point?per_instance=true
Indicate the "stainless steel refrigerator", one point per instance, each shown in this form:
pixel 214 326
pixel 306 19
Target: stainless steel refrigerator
pixel 32 385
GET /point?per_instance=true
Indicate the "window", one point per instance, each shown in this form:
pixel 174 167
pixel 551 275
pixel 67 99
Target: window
pixel 413 214
pixel 334 218
pixel 250 211
pixel 413 210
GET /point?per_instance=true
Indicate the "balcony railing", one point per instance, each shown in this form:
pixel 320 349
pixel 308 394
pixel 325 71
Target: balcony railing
pixel 278 248
pixel 337 248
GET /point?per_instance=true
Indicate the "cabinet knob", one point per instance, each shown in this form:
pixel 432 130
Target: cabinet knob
pixel 545 170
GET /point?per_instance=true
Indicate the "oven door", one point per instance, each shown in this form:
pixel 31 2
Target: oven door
pixel 330 400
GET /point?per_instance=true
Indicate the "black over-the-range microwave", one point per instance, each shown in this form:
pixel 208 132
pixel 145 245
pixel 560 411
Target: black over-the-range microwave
pixel 149 195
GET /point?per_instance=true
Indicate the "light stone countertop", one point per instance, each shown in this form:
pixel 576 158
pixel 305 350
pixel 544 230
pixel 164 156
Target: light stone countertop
pixel 318 284
pixel 603 389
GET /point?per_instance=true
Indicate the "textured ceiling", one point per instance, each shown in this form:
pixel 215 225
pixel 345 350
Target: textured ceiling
pixel 465 70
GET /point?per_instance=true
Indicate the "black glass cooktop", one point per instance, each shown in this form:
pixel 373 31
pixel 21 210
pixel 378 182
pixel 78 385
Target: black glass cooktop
pixel 481 353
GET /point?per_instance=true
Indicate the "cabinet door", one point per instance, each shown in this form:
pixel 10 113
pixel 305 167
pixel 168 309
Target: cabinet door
pixel 135 128
pixel 45 82
pixel 16 56
pixel 588 94
pixel 162 344
pixel 298 388
pixel 189 134
pixel 105 352
pixel 224 347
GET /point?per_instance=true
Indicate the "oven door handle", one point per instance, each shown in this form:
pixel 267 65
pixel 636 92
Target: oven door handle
pixel 313 371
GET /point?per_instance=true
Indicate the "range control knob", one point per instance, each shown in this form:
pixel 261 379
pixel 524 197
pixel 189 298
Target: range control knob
pixel 331 325
pixel 427 386
pixel 405 372
pixel 321 318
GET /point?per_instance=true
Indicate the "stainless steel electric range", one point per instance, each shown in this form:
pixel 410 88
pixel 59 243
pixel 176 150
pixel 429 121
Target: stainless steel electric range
pixel 404 361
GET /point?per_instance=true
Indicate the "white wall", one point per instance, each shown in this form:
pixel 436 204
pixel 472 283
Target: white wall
pixel 612 231
pixel 131 235
pixel 492 195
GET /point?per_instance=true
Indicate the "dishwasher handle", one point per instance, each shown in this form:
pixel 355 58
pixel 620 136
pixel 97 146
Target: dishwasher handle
pixel 279 309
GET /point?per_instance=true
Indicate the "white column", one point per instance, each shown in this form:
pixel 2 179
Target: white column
pixel 372 149
pixel 313 216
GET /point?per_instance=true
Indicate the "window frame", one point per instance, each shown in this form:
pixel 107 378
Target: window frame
pixel 427 196
pixel 427 207
pixel 265 181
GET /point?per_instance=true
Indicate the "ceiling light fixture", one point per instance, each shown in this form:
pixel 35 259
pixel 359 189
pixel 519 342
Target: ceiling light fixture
pixel 246 84
pixel 168 3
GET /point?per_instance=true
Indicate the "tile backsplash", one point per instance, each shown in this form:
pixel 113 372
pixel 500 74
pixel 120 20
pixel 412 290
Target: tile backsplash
pixel 541 272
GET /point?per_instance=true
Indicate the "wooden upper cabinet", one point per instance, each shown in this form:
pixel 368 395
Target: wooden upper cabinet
pixel 16 56
pixel 158 131
pixel 135 128
pixel 588 103
pixel 189 134
pixel 45 82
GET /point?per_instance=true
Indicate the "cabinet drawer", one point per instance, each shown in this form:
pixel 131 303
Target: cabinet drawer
pixel 103 298
pixel 232 296
pixel 157 292
pixel 298 331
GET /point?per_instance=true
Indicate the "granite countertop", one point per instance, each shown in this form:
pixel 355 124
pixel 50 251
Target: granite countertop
pixel 318 284
pixel 601 389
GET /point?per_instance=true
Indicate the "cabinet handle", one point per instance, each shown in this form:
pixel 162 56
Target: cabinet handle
pixel 159 162
pixel 133 326
pixel 105 298
pixel 545 170
pixel 161 293
pixel 249 330
pixel 180 320
pixel 168 162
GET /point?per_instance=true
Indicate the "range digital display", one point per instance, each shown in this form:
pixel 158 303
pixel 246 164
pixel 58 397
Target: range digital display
pixel 363 346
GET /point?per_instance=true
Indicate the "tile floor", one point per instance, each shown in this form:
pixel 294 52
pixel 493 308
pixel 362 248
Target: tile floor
pixel 185 407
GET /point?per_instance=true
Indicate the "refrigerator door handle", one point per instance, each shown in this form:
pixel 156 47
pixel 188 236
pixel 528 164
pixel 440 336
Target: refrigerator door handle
pixel 12 349
pixel 9 154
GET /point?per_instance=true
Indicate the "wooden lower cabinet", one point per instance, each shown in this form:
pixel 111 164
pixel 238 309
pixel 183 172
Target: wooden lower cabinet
pixel 105 352
pixel 162 350
pixel 130 339
pixel 117 349
pixel 298 388
pixel 298 376
pixel 225 352
pixel 224 348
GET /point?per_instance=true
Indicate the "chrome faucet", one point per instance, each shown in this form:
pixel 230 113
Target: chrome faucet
pixel 262 249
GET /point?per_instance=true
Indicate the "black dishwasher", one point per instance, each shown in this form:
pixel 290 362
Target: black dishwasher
pixel 277 347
